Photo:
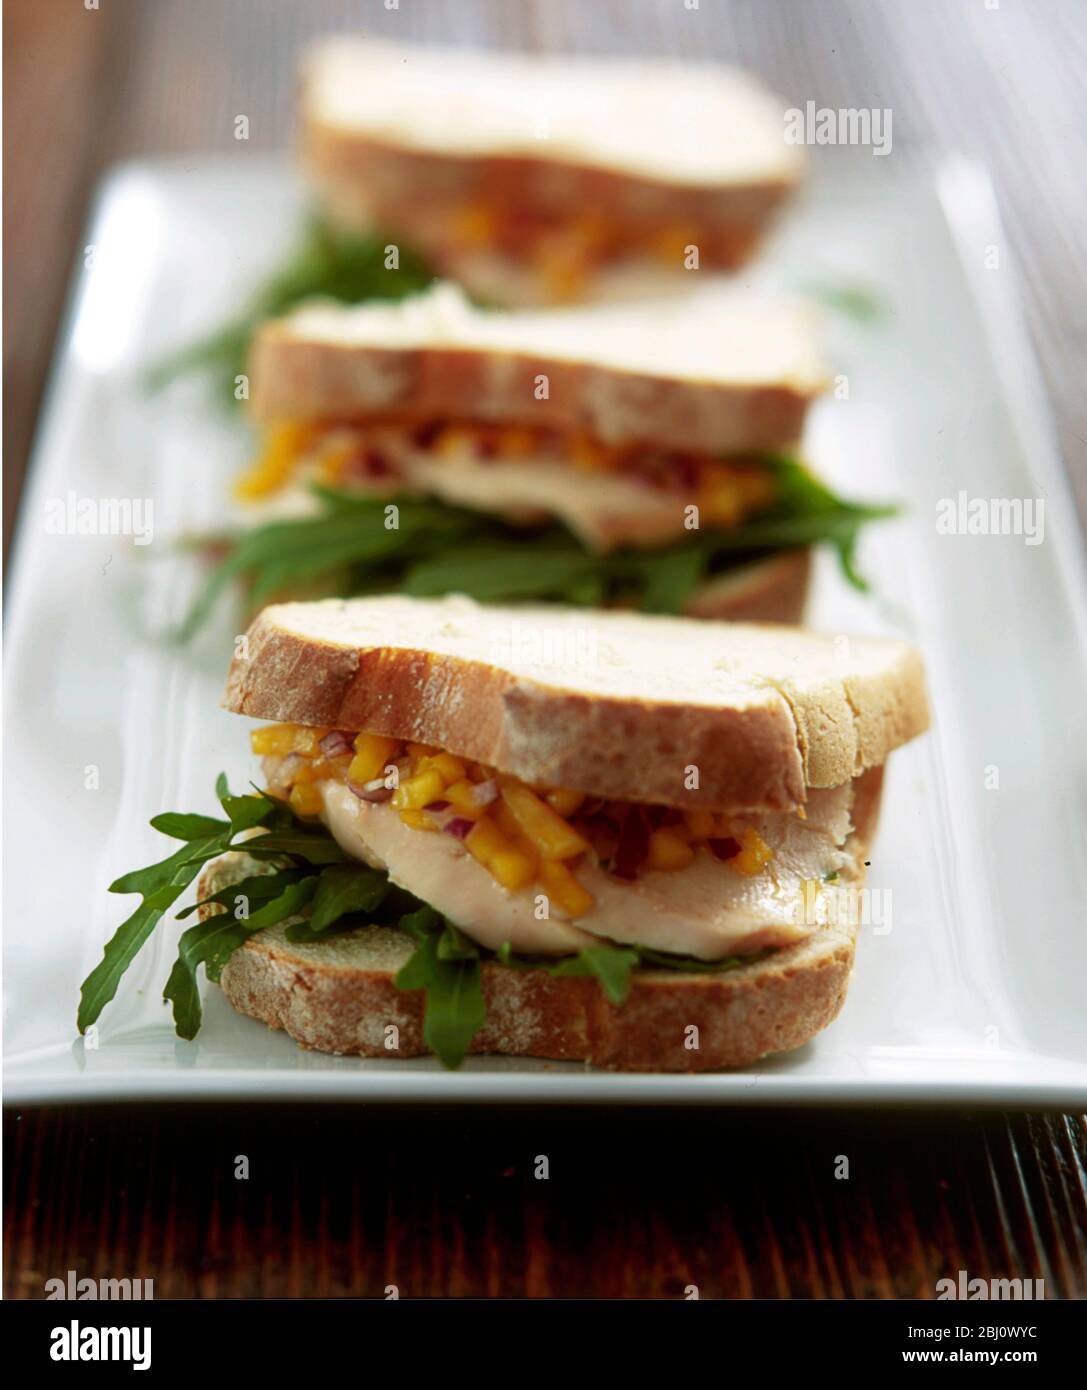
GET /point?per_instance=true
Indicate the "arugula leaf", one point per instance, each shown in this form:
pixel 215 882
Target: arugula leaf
pixel 436 549
pixel 346 888
pixel 180 827
pixel 447 966
pixel 691 965
pixel 312 886
pixel 612 966
pixel 213 942
pixel 313 845
pixel 160 885
pixel 325 262
pixel 254 888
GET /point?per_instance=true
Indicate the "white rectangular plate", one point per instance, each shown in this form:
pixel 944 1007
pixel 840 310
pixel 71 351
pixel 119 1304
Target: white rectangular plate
pixel 974 995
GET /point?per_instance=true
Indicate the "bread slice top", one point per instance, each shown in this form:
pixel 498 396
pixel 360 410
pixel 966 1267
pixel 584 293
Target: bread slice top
pixel 710 369
pixel 670 711
pixel 674 123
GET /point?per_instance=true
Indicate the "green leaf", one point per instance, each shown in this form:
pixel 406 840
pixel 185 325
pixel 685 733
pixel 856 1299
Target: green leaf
pixel 325 262
pixel 348 549
pixel 181 827
pixel 612 966
pixel 213 942
pixel 314 846
pixel 255 888
pixel 346 888
pixel 161 885
pixel 689 965
pixel 669 577
pixel 448 969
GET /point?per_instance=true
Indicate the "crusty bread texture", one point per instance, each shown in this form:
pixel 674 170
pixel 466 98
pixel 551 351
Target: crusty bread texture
pixel 339 996
pixel 709 370
pixel 398 137
pixel 671 711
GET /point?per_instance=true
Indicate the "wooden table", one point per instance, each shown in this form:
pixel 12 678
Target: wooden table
pixel 346 1201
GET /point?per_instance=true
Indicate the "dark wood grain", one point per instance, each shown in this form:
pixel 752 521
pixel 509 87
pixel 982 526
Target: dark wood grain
pixel 343 1202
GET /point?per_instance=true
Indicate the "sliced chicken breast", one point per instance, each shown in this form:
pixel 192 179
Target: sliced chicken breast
pixel 708 910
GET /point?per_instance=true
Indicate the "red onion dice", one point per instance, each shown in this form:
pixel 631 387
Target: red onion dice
pixel 725 847
pixel 371 791
pixel 437 806
pixel 483 793
pixel 336 743
pixel 459 827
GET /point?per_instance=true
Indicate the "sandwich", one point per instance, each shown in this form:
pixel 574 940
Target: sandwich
pixel 629 455
pixel 528 178
pixel 541 832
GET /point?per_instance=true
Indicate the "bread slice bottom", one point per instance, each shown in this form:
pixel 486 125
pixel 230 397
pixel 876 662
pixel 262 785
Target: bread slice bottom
pixel 771 590
pixel 339 996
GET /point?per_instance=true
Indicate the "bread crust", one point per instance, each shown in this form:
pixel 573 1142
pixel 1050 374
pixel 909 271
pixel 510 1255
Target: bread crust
pixel 760 753
pixel 325 1002
pixel 301 378
pixel 364 182
pixel 772 590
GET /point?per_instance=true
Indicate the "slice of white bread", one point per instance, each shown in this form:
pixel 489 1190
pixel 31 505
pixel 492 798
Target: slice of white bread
pixel 339 996
pixel 619 705
pixel 709 370
pixel 398 136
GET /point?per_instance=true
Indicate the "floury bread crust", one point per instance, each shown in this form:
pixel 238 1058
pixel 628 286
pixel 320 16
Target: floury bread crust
pixel 598 701
pixel 339 996
pixel 403 137
pixel 706 370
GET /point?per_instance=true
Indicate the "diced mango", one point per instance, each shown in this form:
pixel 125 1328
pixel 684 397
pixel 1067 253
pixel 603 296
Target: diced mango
pixel 670 245
pixel 754 853
pixel 305 800
pixel 465 804
pixel 485 840
pixel 551 835
pixel 504 818
pixel 418 820
pixel 512 869
pixel 587 453
pixel 474 223
pixel 280 739
pixel 564 803
pixel 667 850
pixel 564 890
pixel 284 444
pixel 373 752
pixel 417 792
pixel 515 443
pixel 453 440
pixel 448 768
pixel 421 750
pixel 700 823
